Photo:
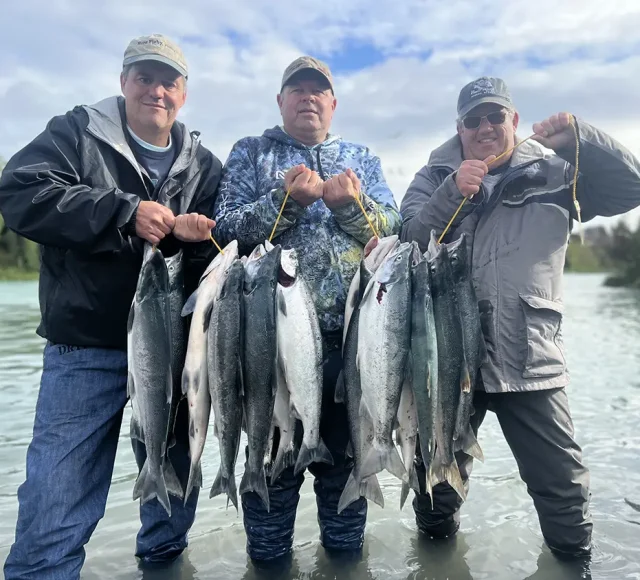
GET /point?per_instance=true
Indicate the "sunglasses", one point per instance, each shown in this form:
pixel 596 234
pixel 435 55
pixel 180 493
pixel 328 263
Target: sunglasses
pixel 495 118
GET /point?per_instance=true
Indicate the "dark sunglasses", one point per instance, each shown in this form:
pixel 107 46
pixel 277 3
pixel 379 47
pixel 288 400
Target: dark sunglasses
pixel 495 118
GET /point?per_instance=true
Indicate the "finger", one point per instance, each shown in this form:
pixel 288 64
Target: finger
pixel 203 224
pixel 354 180
pixel 565 119
pixel 192 221
pixel 169 219
pixel 291 175
pixel 489 160
pixel 343 181
pixel 162 226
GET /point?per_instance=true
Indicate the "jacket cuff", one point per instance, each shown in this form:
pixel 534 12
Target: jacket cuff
pixel 351 212
pixel 292 209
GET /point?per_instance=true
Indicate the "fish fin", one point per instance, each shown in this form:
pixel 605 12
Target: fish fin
pixel 207 317
pixel 349 449
pixel 148 487
pixel 256 481
pixel 282 303
pixel 131 387
pixel 451 474
pixel 240 377
pixel 387 458
pixel 131 317
pixel 339 396
pixel 368 488
pixel 465 377
pixel 136 431
pixel 195 479
pixel 190 304
pixel 308 456
pixel 174 487
pixel 286 457
pixel 226 485
pixel 469 444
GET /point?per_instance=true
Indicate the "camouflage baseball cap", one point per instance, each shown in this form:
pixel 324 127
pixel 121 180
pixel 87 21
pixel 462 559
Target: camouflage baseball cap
pixel 483 90
pixel 306 63
pixel 156 47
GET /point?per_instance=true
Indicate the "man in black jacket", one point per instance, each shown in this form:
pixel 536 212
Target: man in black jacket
pixel 90 189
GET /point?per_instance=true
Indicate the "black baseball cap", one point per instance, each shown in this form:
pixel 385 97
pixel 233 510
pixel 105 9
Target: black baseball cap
pixel 483 90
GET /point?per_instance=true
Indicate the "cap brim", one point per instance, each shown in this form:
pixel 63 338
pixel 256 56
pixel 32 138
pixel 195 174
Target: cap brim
pixel 490 99
pixel 305 69
pixel 157 58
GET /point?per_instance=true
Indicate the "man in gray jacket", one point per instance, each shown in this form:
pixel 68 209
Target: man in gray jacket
pixel 518 216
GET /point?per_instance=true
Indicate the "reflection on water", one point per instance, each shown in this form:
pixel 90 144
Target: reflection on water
pixel 500 536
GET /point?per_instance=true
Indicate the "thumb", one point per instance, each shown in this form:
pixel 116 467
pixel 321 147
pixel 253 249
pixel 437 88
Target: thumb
pixel 490 159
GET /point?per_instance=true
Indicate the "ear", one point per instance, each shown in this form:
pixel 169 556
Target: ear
pixel 459 128
pixel 123 80
pixel 279 99
pixel 516 120
pixel 184 96
pixel 334 104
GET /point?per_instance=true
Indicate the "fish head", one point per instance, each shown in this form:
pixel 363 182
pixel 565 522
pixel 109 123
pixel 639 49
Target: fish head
pixel 433 245
pixel 380 252
pixel 260 270
pixel 395 268
pixel 153 278
pixel 222 259
pixel 175 265
pixel 416 254
pixel 458 253
pixel 440 271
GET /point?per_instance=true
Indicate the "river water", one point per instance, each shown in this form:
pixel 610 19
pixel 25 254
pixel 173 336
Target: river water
pixel 499 538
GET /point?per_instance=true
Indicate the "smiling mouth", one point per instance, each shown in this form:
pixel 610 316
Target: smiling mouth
pixel 308 111
pixel 154 106
pixel 487 141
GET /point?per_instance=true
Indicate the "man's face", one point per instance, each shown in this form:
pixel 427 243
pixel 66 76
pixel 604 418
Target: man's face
pixel 154 93
pixel 487 138
pixel 307 106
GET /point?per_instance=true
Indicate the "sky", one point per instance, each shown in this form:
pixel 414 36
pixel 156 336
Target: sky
pixel 398 65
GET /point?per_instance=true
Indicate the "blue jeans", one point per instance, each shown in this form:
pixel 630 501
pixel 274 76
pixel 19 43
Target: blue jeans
pixel 70 460
pixel 270 533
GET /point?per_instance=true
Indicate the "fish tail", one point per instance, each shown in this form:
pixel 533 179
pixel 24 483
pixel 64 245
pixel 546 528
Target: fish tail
pixel 195 479
pixel 286 457
pixel 451 474
pixel 412 484
pixel 368 488
pixel 223 484
pixel 386 458
pixel 314 455
pixel 149 486
pixel 469 444
pixel 256 481
pixel 174 487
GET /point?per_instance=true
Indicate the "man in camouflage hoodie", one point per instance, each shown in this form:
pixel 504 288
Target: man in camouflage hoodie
pixel 322 220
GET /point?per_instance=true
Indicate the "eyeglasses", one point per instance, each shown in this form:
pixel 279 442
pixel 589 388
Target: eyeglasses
pixel 495 118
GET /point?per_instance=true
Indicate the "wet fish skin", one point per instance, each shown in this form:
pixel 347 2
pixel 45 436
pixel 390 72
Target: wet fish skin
pixel 149 383
pixel 224 348
pixel 424 356
pixel 473 346
pixel 450 368
pixel 383 348
pixel 406 436
pixel 300 357
pixel 348 389
pixel 259 361
pixel 177 298
pixel 195 373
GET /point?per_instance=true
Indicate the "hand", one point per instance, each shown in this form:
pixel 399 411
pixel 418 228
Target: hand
pixel 305 186
pixel 470 174
pixel 341 189
pixel 193 227
pixel 153 221
pixel 555 132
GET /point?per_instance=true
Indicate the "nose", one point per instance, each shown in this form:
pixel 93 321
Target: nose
pixel 156 91
pixel 485 126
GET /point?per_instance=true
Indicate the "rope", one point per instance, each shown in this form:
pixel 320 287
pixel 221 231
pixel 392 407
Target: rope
pixel 273 231
pixel 575 181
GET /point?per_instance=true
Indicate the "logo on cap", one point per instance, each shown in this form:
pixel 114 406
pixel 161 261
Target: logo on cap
pixel 482 87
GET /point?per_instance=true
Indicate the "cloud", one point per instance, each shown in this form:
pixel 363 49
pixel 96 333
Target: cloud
pixel 398 66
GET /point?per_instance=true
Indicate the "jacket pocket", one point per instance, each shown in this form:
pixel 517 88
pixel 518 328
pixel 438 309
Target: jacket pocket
pixel 544 353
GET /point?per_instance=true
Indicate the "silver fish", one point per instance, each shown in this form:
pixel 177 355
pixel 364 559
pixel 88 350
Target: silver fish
pixel 224 349
pixel 383 348
pixel 149 383
pixel 195 373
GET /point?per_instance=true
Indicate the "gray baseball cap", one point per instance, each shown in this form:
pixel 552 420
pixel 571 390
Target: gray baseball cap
pixel 483 90
pixel 306 63
pixel 156 47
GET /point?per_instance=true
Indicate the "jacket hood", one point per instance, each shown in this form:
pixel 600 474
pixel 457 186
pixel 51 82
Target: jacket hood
pixel 277 133
pixel 106 122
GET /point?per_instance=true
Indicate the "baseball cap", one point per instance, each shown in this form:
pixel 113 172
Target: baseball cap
pixel 156 47
pixel 306 63
pixel 483 90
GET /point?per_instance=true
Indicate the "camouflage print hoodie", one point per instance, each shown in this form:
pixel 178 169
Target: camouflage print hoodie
pixel 329 243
